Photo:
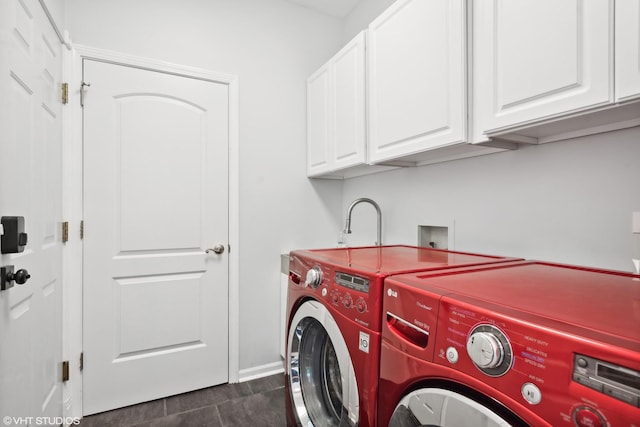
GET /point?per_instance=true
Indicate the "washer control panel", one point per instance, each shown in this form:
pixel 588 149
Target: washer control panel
pixel 346 291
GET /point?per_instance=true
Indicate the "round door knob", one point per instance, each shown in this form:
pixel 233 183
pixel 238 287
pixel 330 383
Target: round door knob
pixel 218 249
pixel 20 277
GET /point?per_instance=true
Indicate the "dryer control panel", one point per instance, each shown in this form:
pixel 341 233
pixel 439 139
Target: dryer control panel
pixel 535 360
pixel 555 344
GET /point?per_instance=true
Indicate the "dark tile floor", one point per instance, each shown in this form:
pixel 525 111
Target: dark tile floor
pixel 255 403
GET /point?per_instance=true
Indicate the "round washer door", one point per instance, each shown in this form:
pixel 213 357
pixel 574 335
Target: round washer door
pixel 442 408
pixel 322 379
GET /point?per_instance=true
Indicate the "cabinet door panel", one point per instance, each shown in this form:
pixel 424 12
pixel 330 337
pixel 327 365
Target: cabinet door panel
pixel 534 59
pixel 349 105
pixel 416 78
pixel 318 132
pixel 627 49
pixel 530 62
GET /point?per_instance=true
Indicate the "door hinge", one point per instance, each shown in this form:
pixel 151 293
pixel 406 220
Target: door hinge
pixel 65 93
pixel 65 232
pixel 65 371
pixel 81 229
pixel 81 361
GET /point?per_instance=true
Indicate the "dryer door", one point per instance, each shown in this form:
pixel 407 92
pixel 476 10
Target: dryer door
pixel 445 408
pixel 322 380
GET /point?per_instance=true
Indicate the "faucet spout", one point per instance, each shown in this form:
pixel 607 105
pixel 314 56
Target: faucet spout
pixel 347 228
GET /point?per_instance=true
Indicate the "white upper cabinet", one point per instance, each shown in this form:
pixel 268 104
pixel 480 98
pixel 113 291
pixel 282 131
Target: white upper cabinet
pixel 336 111
pixel 416 82
pixel 536 59
pixel 349 121
pixel 318 119
pixel 627 49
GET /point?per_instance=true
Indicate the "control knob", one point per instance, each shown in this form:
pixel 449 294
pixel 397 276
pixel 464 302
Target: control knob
pixel 489 349
pixel 485 350
pixel 347 301
pixel 361 305
pixel 314 277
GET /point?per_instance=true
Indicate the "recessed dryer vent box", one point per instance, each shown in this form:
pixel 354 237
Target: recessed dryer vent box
pixel 437 237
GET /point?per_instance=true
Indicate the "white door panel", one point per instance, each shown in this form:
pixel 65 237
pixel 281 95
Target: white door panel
pixel 155 198
pixel 31 186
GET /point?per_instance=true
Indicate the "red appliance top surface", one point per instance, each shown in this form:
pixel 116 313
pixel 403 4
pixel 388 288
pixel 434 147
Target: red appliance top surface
pixel 605 301
pixel 386 260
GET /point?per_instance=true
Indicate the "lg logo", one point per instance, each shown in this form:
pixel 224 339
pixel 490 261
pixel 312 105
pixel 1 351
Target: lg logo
pixel 392 293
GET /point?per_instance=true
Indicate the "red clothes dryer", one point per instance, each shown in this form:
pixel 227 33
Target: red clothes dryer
pixel 334 321
pixel 524 344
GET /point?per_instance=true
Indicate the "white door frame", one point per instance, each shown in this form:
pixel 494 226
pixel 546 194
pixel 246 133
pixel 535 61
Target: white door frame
pixel 72 208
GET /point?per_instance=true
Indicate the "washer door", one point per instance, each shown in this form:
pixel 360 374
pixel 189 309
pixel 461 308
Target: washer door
pixel 322 379
pixel 443 408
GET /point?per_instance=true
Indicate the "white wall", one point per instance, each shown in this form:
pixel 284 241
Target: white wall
pixel 56 9
pixel 361 15
pixel 272 46
pixel 567 201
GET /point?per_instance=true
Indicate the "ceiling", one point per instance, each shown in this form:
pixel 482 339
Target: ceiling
pixel 337 8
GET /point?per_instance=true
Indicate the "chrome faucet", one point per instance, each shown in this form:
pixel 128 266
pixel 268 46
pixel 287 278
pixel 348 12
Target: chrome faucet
pixel 347 228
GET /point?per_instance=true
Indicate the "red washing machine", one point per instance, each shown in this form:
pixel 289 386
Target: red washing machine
pixel 518 344
pixel 334 320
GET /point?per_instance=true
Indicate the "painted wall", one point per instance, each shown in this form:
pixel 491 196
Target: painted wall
pixel 57 10
pixel 361 15
pixel 272 45
pixel 568 201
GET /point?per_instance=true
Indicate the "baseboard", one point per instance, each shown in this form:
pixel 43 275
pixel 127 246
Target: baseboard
pixel 260 371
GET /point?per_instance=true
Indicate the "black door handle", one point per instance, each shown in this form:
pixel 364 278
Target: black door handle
pixel 7 277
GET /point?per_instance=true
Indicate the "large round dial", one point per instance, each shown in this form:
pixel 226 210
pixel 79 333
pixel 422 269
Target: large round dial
pixel 314 277
pixel 489 350
pixel 485 350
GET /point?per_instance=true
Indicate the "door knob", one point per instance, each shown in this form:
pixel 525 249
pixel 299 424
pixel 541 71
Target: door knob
pixel 219 248
pixel 7 277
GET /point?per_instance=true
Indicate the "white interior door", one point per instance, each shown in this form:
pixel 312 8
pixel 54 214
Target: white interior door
pixel 31 186
pixel 155 310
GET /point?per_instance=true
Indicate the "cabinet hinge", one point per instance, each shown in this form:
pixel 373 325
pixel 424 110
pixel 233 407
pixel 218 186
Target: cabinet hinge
pixel 65 371
pixel 65 93
pixel 81 229
pixel 65 232
pixel 81 361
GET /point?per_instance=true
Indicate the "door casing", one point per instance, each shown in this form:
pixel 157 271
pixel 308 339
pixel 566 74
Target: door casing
pixel 72 207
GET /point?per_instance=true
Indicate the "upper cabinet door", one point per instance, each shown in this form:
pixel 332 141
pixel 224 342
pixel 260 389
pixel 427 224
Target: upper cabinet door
pixel 534 59
pixel 336 126
pixel 349 125
pixel 627 49
pixel 416 65
pixel 318 121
